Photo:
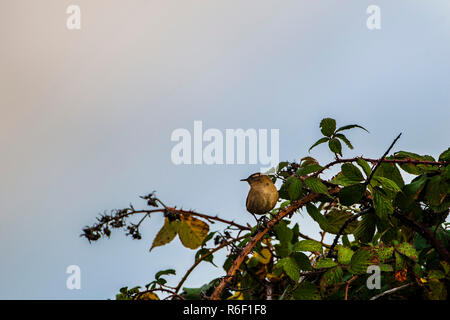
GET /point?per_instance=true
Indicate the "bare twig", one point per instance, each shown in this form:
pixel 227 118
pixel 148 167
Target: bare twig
pixel 188 272
pixel 342 229
pixel 390 291
pixel 381 159
pixel 348 285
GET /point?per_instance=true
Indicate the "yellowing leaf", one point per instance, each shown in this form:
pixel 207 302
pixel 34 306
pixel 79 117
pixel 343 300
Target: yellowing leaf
pixel 148 296
pixel 192 232
pixel 167 233
pixel 264 256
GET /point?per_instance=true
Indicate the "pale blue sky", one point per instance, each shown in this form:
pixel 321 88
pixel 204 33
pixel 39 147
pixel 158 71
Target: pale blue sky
pixel 87 115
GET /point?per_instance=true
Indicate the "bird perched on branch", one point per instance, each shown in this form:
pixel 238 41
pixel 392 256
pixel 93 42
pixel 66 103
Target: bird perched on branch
pixel 263 194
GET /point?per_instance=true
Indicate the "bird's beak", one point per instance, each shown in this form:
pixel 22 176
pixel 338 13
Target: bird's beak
pixel 243 179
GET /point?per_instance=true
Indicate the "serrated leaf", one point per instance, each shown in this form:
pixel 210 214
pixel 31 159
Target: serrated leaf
pixel 164 272
pixel 387 184
pixel 436 274
pixel 364 165
pixel 336 219
pixel 302 261
pixel 341 180
pixel 386 267
pixel 303 171
pixel 384 253
pixel 320 141
pixel 291 268
pixel 445 156
pixel 360 261
pixel 345 255
pixel 192 232
pixel 345 140
pixel 407 250
pixel 412 168
pixel 332 276
pixel 308 245
pixel 351 194
pixel 327 126
pixel 316 215
pixel 335 146
pixel 167 233
pixel 295 189
pixel 382 204
pixel 437 290
pixel 351 126
pixel 366 228
pixel 316 185
pixel 283 232
pixel 325 263
pixel 203 252
pixel 352 172
pixel 306 291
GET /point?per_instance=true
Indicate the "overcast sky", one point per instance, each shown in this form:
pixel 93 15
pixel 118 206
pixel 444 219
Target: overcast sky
pixel 87 115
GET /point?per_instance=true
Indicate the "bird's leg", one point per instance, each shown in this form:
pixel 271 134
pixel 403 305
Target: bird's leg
pixel 261 222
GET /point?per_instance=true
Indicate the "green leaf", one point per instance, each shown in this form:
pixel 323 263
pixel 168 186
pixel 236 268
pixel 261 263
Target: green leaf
pixel 303 171
pixel 332 276
pixel 390 171
pixel 387 184
pixel 327 126
pixel 436 191
pixel 325 263
pixel 336 218
pixel 316 215
pixel 382 204
pixel 407 250
pixel 360 261
pixel 436 274
pixel 167 233
pixel 445 156
pixel 351 194
pixel 295 189
pixel 437 289
pixel 341 180
pixel 283 232
pixel 164 272
pixel 290 267
pixel 351 172
pixel 316 185
pixel 384 252
pixel 345 140
pixel 282 165
pixel 345 255
pixel 203 251
pixel 351 126
pixel 302 261
pixel 412 168
pixel 308 245
pixel 385 267
pixel 335 146
pixel 364 165
pixel 306 291
pixel 366 228
pixel 320 141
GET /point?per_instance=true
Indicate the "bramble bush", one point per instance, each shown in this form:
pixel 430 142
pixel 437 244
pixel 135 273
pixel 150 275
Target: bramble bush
pixel 400 228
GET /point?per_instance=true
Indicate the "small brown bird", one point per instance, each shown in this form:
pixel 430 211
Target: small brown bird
pixel 263 194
